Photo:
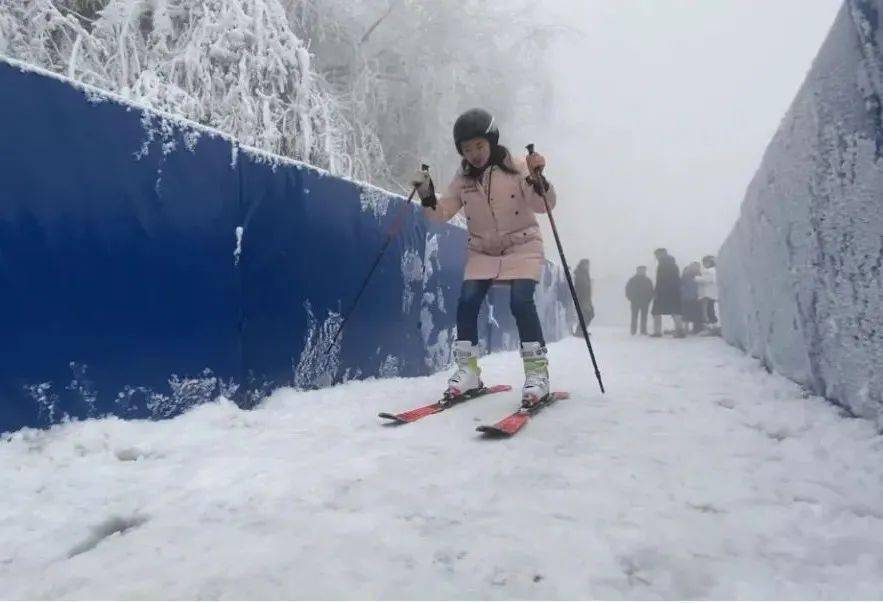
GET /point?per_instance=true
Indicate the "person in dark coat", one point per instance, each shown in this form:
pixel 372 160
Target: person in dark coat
pixel 639 291
pixel 667 296
pixel 691 308
pixel 582 282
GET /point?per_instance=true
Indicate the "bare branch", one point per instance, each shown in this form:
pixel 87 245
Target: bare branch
pixel 371 29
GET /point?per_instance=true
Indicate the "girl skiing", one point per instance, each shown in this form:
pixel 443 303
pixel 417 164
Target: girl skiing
pixel 500 201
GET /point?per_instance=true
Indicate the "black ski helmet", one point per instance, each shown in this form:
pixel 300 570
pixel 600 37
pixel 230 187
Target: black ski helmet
pixel 475 123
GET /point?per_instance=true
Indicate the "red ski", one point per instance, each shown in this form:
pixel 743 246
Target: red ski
pixel 511 424
pixel 424 411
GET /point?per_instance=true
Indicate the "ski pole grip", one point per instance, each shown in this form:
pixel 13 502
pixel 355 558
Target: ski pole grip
pixel 530 151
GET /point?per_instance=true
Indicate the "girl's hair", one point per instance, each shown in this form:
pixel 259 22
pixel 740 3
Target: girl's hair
pixel 498 158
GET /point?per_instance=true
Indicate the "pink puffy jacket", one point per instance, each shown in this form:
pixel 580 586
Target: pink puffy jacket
pixel 505 242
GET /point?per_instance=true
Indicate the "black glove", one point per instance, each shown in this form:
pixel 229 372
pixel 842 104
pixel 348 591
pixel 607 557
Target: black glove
pixel 425 188
pixel 537 185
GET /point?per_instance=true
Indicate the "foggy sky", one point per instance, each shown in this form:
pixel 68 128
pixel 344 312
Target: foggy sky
pixel 663 110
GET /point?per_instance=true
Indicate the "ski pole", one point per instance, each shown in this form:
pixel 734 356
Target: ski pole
pixel 391 233
pixel 538 187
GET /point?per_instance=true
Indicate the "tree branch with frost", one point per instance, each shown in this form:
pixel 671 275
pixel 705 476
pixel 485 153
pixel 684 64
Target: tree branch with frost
pixel 302 78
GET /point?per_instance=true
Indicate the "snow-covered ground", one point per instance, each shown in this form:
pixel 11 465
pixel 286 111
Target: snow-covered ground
pixel 698 475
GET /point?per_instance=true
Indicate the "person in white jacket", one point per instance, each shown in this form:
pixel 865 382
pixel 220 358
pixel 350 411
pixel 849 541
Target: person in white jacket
pixel 707 281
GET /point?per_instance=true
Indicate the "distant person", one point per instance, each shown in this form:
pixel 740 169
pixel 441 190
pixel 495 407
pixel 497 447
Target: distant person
pixel 690 307
pixel 707 280
pixel 639 291
pixel 582 282
pixel 667 294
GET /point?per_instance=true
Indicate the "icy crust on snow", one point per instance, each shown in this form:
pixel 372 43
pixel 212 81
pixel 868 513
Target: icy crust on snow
pixel 132 400
pixel 800 275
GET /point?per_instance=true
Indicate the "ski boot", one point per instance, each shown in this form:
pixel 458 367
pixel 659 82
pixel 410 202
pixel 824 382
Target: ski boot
pixel 467 377
pixel 536 374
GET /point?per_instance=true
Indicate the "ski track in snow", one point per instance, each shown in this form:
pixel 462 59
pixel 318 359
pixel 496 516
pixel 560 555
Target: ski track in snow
pixel 697 476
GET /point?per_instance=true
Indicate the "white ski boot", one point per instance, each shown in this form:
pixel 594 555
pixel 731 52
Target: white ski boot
pixel 467 377
pixel 536 373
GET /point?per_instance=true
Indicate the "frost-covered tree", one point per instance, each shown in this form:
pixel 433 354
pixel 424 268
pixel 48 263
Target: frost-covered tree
pixel 404 69
pixel 364 89
pixel 233 64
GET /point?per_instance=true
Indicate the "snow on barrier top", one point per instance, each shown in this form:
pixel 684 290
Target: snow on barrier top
pixel 98 95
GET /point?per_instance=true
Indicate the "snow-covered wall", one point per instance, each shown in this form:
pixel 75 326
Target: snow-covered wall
pixel 148 264
pixel 800 274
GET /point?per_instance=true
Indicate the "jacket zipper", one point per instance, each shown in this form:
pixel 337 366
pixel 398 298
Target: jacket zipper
pixel 490 177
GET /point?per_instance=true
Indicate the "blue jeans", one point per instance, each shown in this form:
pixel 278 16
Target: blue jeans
pixel 520 300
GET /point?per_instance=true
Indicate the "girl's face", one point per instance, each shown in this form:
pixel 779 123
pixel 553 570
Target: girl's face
pixel 477 151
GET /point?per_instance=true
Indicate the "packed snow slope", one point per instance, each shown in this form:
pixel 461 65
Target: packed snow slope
pixel 698 475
